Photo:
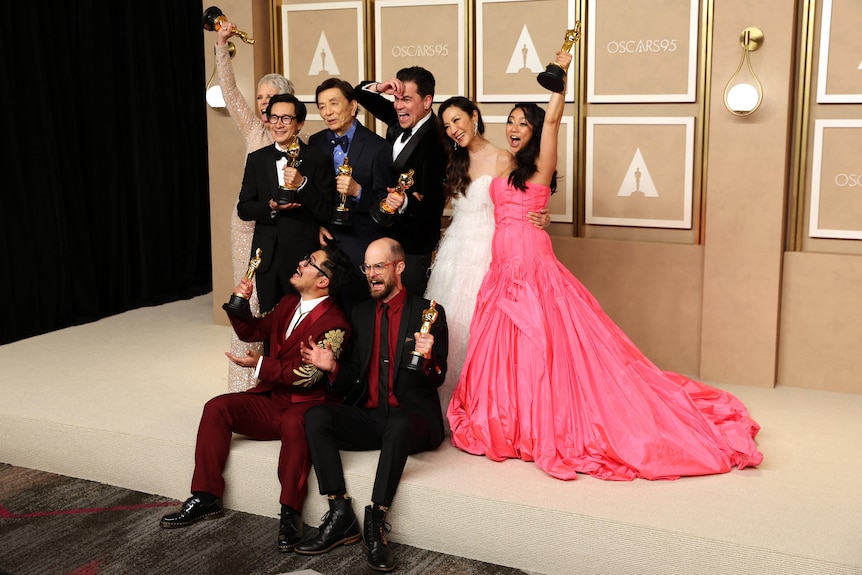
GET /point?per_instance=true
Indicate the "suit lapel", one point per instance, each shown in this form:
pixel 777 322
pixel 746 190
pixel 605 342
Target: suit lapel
pixel 404 330
pixel 401 161
pixel 314 315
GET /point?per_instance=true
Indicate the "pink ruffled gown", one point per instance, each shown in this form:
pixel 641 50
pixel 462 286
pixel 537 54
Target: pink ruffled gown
pixel 550 378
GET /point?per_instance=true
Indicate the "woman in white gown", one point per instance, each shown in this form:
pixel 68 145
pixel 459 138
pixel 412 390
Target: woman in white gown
pixel 464 253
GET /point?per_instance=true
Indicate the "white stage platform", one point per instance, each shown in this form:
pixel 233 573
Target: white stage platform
pixel 118 401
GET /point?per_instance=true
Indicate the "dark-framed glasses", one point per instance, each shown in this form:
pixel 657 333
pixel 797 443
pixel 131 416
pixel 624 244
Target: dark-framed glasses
pixel 306 261
pixel 377 268
pixel 287 119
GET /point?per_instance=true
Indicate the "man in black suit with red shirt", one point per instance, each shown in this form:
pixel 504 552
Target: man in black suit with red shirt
pixel 395 409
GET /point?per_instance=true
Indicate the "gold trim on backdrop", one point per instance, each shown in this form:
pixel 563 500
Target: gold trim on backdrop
pixel 705 109
pixel 796 203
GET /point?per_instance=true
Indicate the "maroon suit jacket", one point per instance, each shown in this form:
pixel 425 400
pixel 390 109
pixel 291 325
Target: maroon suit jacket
pixel 283 372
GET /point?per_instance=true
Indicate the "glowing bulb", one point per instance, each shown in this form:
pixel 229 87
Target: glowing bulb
pixel 742 98
pixel 215 98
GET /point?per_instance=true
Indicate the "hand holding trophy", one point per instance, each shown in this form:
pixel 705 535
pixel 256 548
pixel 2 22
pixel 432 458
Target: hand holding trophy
pixel 238 305
pixel 213 18
pixel 384 214
pixel 418 360
pixel 289 194
pixel 554 76
pixel 342 212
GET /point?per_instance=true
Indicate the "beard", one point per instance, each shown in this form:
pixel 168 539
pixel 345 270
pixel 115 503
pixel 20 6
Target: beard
pixel 388 288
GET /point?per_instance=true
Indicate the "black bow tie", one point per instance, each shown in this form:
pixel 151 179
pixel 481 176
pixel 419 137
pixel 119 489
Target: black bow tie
pixel 342 140
pixel 279 154
pixel 406 134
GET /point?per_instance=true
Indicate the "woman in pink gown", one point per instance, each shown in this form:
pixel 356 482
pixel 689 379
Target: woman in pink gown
pixel 550 378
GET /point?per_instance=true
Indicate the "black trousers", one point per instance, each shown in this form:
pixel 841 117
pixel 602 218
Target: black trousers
pixel 330 428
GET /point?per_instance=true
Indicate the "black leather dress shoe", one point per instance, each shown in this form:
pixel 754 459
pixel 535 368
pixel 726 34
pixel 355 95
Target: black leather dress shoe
pixel 193 510
pixel 289 532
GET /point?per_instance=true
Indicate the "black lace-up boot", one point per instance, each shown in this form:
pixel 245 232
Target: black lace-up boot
pixel 374 540
pixel 339 527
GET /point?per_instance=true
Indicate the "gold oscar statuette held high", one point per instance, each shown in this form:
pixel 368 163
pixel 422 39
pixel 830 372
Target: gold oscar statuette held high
pixel 213 19
pixel 554 77
pixel 342 212
pixel 238 305
pixel 384 215
pixel 417 360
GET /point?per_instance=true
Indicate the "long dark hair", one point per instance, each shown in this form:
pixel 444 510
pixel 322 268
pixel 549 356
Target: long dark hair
pixel 525 159
pixel 458 166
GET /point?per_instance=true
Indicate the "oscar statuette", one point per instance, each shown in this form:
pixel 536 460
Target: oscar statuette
pixel 212 20
pixel 238 305
pixel 554 77
pixel 384 215
pixel 342 212
pixel 289 194
pixel 417 360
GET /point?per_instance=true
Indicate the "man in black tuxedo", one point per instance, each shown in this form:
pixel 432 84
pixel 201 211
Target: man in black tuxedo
pixel 416 144
pixel 284 232
pixel 370 159
pixel 396 410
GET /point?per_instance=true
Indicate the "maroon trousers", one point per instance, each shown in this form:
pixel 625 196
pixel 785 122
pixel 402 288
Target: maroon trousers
pixel 255 416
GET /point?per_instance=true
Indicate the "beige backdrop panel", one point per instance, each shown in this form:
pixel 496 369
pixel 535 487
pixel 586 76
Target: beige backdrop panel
pixel 642 48
pixel 639 172
pixel 844 69
pixel 518 41
pixel 840 183
pixel 320 43
pixel 422 35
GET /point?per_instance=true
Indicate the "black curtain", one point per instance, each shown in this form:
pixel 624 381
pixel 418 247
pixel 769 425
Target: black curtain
pixel 105 202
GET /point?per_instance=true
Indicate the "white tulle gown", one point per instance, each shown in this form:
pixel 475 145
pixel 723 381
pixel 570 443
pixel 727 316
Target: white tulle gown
pixel 462 259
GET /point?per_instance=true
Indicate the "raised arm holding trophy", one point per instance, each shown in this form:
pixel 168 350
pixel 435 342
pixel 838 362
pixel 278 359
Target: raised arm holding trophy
pixel 238 304
pixel 554 76
pixel 212 21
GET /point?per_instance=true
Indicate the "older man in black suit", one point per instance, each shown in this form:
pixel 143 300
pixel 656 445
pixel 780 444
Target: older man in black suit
pixel 370 161
pixel 284 231
pixel 417 145
pixel 396 409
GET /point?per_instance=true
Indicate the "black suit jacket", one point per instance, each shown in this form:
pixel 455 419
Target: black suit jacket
pixel 371 159
pixel 415 391
pixel 284 238
pixel 418 228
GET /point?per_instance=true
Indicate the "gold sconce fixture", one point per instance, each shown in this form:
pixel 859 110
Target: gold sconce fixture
pixel 744 93
pixel 214 96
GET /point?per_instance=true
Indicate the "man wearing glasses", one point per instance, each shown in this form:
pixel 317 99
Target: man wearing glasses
pixel 396 410
pixel 284 231
pixel 288 386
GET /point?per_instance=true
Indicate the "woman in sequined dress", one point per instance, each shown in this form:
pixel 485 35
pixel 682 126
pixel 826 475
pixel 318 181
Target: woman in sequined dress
pixel 252 126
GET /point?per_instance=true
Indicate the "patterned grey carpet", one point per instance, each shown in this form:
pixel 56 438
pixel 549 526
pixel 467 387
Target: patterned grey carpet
pixel 55 525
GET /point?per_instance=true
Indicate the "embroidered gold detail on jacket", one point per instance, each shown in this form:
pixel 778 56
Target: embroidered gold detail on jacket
pixel 307 374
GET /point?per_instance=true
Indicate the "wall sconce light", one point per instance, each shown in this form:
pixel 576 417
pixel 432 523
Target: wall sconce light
pixel 214 97
pixel 743 93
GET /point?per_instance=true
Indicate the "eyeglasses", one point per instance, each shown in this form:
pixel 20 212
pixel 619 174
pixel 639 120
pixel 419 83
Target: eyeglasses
pixel 287 119
pixel 306 261
pixel 378 268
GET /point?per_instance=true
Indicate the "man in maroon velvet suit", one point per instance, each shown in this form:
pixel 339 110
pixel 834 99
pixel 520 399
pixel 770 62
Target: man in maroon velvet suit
pixel 287 388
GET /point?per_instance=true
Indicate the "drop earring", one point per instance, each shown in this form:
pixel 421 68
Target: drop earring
pixel 475 128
